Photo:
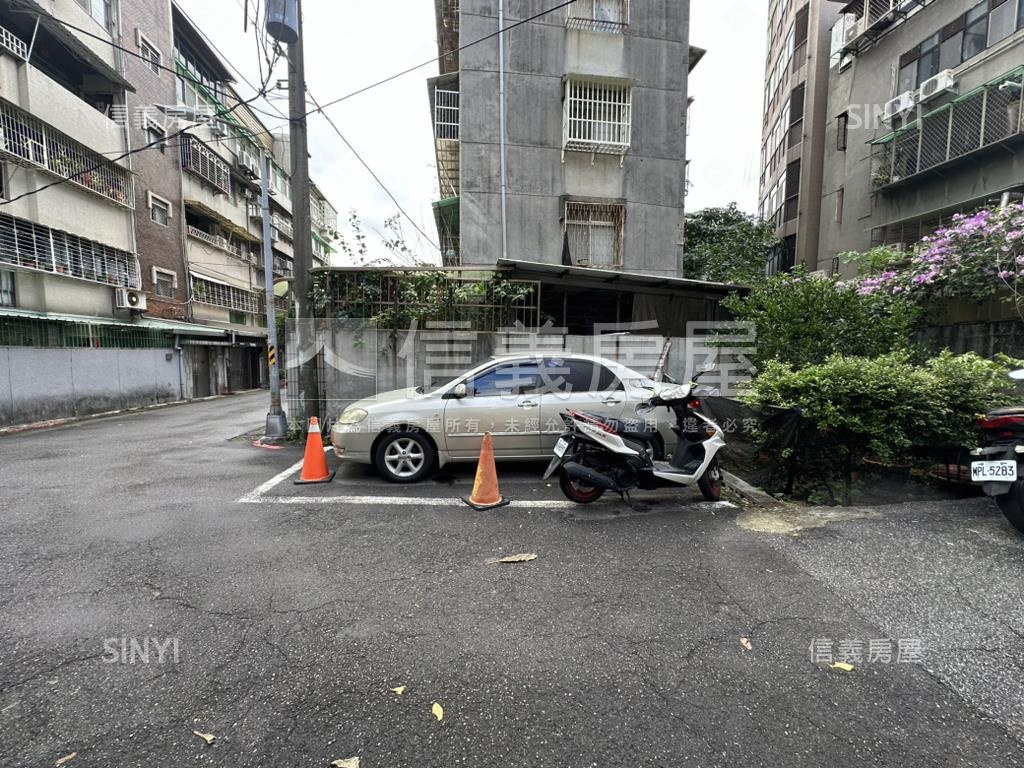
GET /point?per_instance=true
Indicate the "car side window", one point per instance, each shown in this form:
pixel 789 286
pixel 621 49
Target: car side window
pixel 506 380
pixel 566 375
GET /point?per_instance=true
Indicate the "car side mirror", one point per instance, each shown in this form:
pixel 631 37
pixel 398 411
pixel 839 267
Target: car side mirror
pixel 460 391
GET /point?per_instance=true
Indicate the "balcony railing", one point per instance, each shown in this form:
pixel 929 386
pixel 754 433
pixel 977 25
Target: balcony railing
pixel 599 15
pixel 11 42
pixel 282 225
pixel 222 295
pixel 283 267
pixel 36 144
pixel 979 119
pixel 205 163
pixel 26 244
pixel 234 247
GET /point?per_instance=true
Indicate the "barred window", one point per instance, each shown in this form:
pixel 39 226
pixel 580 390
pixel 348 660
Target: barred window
pixel 33 142
pixel 164 284
pixel 446 114
pixel 27 244
pixel 597 116
pixel 150 54
pixel 599 15
pixel 222 295
pixel 594 233
pixel 205 163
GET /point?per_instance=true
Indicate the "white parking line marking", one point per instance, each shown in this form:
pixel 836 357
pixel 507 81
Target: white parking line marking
pixel 258 496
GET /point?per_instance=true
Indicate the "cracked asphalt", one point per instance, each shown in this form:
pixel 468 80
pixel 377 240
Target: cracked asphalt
pixel 285 625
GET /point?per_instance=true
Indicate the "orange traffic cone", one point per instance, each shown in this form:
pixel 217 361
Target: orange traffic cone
pixel 314 465
pixel 485 488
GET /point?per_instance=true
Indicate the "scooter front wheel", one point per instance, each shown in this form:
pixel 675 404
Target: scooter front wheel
pixel 710 483
pixel 578 491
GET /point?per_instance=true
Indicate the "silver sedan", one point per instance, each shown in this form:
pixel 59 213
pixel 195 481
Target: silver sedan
pixel 409 432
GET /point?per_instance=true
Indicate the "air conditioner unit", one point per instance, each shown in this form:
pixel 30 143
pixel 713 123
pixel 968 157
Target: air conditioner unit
pixel 854 31
pixel 902 103
pixel 933 87
pixel 247 164
pixel 218 130
pixel 127 298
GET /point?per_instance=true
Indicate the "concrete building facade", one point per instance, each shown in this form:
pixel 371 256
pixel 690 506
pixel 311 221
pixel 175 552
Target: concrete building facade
pixel 924 122
pixel 793 130
pixel 120 232
pixel 595 139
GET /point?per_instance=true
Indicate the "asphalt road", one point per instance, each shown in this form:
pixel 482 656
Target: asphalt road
pixel 279 624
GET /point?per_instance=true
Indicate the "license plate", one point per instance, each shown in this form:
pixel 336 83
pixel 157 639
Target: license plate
pixel 561 446
pixel 999 471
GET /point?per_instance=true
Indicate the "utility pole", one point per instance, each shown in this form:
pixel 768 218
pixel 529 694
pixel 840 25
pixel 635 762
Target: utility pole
pixel 277 423
pixel 284 22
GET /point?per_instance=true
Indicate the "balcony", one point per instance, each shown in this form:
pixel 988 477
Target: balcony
pixel 281 224
pixel 987 116
pixel 202 161
pixel 33 143
pixel 599 16
pixel 234 247
pixel 864 21
pixel 283 267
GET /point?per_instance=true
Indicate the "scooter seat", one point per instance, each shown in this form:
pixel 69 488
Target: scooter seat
pixel 633 428
pixel 1010 410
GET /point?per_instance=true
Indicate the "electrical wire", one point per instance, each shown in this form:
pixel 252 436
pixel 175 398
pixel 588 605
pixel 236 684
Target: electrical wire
pixel 452 52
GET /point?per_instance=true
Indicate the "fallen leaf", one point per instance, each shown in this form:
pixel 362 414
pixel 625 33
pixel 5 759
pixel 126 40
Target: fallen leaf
pixel 843 666
pixel 523 558
pixel 207 737
pixel 67 758
pixel 348 762
pixel 745 642
pixel 399 690
pixel 438 711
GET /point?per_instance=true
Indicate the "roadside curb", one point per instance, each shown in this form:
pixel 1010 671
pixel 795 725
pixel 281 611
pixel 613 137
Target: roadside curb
pixel 749 492
pixel 64 421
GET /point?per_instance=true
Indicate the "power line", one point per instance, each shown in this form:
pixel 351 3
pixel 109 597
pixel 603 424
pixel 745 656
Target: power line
pixel 374 175
pixel 461 48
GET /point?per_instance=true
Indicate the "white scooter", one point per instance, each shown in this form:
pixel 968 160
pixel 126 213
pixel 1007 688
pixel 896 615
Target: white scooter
pixel 598 454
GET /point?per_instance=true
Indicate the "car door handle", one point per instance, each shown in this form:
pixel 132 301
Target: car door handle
pixel 527 404
pixel 611 401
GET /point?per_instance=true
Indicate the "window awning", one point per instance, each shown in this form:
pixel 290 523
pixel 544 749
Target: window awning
pixel 156 324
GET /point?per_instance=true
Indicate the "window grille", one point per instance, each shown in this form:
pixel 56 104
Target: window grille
pixel 164 285
pixel 978 119
pixel 35 143
pixel 27 244
pixel 446 114
pixel 599 15
pixel 151 56
pixel 220 295
pixel 11 42
pixel 282 225
pixel 205 163
pixel 597 116
pixel 594 232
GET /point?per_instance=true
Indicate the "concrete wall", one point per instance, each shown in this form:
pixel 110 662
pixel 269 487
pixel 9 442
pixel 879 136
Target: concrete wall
pixel 866 85
pixel 38 384
pixel 653 53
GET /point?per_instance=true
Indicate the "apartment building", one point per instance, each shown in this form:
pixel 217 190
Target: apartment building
pixel 795 121
pixel 924 119
pixel 595 141
pixel 129 275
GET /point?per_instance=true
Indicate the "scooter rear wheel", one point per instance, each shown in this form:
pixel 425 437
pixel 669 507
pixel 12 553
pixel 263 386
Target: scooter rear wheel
pixel 710 483
pixel 577 491
pixel 1012 505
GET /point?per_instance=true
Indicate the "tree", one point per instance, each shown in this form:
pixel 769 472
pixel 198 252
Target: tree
pixel 727 245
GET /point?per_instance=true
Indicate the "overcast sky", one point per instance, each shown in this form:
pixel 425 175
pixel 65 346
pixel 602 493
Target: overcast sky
pixel 354 43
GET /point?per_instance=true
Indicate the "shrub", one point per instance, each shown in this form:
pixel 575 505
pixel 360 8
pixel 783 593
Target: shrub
pixel 801 320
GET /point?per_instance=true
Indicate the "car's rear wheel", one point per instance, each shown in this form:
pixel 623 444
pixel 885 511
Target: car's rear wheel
pixel 1011 504
pixel 405 457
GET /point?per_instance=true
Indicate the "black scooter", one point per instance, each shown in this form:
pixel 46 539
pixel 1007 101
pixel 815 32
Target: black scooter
pixel 999 467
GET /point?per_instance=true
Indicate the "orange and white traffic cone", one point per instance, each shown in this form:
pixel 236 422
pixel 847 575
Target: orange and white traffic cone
pixel 314 465
pixel 485 488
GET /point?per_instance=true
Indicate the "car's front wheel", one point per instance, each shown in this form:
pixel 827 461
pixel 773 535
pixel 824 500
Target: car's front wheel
pixel 405 457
